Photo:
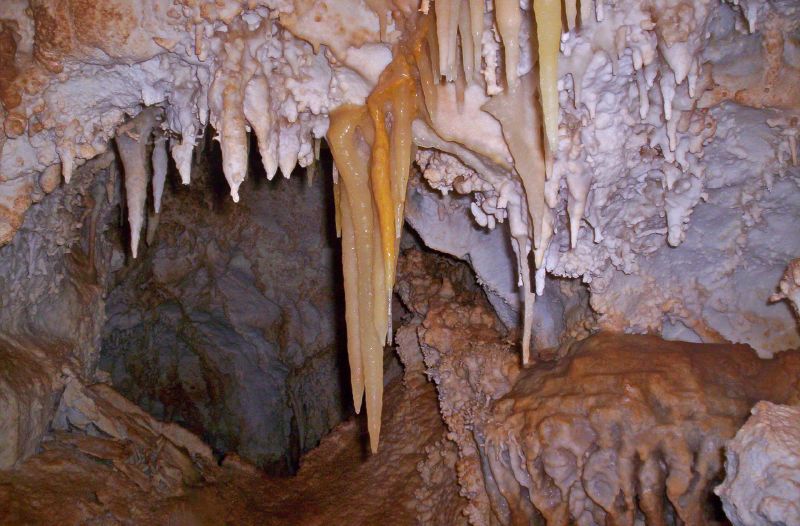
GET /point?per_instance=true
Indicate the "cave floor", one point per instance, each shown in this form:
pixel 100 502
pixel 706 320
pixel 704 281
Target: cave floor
pixel 80 479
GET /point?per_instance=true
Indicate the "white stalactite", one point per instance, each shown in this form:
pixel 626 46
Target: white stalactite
pixel 159 170
pixel 132 140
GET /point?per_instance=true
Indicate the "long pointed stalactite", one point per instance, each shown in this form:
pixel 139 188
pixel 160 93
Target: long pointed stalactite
pixel 372 151
pixel 372 148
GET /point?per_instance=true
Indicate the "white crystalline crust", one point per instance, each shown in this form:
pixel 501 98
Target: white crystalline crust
pixel 790 286
pixel 657 162
pixel 762 469
pixel 666 108
pixel 91 66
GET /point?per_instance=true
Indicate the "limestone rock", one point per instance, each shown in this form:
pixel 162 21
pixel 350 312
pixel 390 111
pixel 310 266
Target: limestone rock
pixel 762 469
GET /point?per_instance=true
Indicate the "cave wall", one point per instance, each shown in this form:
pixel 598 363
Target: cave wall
pixel 227 323
pixel 53 276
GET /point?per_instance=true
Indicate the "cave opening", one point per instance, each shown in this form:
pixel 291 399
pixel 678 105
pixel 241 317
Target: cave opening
pixel 230 321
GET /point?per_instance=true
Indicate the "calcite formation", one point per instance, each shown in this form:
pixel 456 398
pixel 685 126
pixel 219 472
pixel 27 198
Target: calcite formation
pixel 639 145
pixel 762 468
pixel 600 438
pixel 618 429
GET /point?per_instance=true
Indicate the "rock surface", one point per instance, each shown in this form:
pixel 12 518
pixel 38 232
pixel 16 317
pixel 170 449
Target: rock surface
pixel 119 465
pixel 227 322
pixel 762 469
pixel 624 427
pixel 52 281
pixel 619 428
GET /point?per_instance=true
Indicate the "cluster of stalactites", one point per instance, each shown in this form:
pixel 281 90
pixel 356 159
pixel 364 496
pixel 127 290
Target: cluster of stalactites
pixel 239 99
pixel 132 143
pixel 142 148
pixel 524 114
pixel 372 150
pixel 462 21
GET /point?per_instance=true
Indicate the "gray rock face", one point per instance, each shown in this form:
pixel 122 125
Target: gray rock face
pixel 52 279
pixel 762 482
pixel 228 324
pixel 445 224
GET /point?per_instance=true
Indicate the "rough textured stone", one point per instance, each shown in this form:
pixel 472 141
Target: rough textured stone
pixel 52 279
pixel 227 322
pixel 762 469
pixel 624 427
pixel 619 428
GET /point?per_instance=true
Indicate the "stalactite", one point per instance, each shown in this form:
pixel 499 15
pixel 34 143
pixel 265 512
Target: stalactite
pixel 403 112
pixel 452 39
pixel 548 30
pixel 443 9
pixel 578 183
pixel 381 186
pixel 447 20
pixel 182 155
pixel 159 170
pixel 391 166
pixel 288 149
pixel 586 10
pixel 432 40
pixel 313 169
pixel 370 206
pixel 226 98
pixel 350 272
pixel 132 146
pixel 238 97
pixel 517 113
pixel 571 13
pixel 521 249
pixel 509 18
pixel 257 112
pixel 424 56
pixel 345 137
pixel 467 46
pixel 67 156
pixel 337 199
pixel 476 26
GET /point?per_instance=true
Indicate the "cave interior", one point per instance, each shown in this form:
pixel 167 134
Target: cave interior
pixel 440 262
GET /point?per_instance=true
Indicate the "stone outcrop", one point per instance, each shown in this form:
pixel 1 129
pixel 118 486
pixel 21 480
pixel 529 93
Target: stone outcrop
pixel 618 428
pixel 762 469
